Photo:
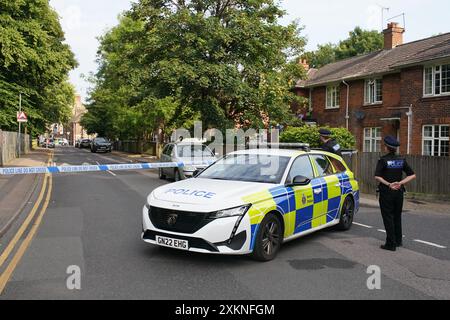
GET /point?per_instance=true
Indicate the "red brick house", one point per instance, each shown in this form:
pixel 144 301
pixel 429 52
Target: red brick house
pixel 402 90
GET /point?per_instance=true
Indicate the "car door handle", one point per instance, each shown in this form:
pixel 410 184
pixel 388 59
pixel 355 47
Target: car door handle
pixel 318 191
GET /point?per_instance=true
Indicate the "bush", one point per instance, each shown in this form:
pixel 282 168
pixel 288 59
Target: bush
pixel 310 135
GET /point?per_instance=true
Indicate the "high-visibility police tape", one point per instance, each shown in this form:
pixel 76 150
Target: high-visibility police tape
pixel 97 168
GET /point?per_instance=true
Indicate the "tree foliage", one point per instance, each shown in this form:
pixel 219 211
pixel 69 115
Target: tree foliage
pixel 169 63
pixel 359 42
pixel 310 135
pixel 35 61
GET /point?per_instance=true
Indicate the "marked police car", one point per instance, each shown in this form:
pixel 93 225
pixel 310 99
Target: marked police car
pixel 251 201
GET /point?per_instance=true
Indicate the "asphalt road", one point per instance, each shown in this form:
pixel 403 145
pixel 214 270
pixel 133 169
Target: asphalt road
pixel 93 220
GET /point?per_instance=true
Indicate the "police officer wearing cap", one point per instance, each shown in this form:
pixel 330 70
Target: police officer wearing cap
pixel 389 174
pixel 329 144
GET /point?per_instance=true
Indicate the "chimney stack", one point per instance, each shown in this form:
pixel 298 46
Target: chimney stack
pixel 393 36
pixel 305 64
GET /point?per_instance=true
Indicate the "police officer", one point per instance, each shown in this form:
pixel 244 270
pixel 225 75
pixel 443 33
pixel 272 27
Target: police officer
pixel 329 144
pixel 389 174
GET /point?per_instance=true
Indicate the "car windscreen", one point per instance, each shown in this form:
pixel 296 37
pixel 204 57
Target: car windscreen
pixel 249 168
pixel 101 140
pixel 193 151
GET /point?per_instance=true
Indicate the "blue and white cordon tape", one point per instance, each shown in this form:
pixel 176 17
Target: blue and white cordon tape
pixel 98 168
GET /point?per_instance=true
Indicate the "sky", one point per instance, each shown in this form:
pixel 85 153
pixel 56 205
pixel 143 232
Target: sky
pixel 324 21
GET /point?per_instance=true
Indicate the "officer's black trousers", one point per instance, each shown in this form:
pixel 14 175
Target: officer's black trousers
pixel 391 204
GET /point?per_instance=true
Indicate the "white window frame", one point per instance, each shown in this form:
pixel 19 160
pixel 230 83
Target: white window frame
pixel 373 138
pixel 433 139
pixel 434 72
pixel 335 92
pixel 370 96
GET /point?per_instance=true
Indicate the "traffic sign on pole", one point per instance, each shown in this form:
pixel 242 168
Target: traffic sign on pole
pixel 22 117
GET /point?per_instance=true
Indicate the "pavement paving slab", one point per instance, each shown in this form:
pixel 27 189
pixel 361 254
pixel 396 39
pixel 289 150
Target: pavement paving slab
pixel 16 190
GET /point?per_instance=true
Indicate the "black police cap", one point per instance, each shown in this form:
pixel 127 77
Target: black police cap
pixel 391 142
pixel 325 132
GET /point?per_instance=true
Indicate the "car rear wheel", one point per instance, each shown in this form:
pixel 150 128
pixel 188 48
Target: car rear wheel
pixel 92 150
pixel 268 239
pixel 347 213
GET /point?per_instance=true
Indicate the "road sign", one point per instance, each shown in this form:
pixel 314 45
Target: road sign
pixel 22 117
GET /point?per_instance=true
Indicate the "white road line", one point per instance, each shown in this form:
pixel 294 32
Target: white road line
pixel 381 230
pixel 362 225
pixel 98 163
pixel 430 244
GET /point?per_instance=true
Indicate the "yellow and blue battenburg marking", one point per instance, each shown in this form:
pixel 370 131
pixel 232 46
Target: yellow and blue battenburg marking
pixel 303 208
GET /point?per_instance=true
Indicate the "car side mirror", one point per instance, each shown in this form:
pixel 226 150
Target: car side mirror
pixel 197 172
pixel 300 181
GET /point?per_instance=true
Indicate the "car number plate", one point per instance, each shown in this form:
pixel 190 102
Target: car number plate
pixel 172 243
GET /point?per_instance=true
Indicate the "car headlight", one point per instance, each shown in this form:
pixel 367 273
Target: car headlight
pixel 189 168
pixel 233 212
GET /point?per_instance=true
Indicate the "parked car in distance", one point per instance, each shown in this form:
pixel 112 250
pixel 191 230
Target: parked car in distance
pixel 101 144
pixel 61 142
pixel 48 143
pixel 84 143
pixel 196 154
pixel 77 143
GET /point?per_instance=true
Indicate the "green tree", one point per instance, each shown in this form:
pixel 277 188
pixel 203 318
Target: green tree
pixel 359 42
pixel 223 62
pixel 34 60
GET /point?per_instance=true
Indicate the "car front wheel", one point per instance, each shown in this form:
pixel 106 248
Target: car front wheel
pixel 162 176
pixel 347 213
pixel 268 239
pixel 177 176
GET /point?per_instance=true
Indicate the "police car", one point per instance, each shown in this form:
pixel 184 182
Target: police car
pixel 250 202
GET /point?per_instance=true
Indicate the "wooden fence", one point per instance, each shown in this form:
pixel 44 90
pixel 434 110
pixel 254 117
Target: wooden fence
pixel 9 146
pixel 433 174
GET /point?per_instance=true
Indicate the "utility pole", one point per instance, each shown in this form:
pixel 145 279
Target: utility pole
pixel 20 123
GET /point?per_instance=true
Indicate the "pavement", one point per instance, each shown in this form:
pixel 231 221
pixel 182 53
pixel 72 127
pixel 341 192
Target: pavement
pixel 15 191
pixel 92 221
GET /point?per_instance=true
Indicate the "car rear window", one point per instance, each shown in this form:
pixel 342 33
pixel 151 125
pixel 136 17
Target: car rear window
pixel 323 165
pixel 338 165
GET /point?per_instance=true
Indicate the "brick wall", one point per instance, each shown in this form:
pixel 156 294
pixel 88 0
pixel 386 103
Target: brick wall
pixel 399 90
pixel 435 110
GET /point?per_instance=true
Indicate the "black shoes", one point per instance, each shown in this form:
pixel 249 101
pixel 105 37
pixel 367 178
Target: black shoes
pixel 389 248
pixel 400 244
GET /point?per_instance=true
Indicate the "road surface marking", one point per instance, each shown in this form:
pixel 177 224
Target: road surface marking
pixel 381 230
pixel 98 163
pixel 430 244
pixel 362 225
pixel 24 226
pixel 4 278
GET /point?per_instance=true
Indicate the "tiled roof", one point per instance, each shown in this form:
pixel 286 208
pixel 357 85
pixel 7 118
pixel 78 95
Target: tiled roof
pixel 379 62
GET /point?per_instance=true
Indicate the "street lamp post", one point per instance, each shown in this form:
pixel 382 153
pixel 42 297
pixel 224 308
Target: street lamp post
pixel 20 123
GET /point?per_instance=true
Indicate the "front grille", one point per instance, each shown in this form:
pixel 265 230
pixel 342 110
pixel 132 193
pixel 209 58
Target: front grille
pixel 185 222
